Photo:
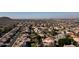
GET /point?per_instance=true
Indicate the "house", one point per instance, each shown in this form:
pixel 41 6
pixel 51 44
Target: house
pixel 48 42
pixel 76 39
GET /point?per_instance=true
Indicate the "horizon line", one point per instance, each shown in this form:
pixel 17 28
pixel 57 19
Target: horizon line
pixel 43 18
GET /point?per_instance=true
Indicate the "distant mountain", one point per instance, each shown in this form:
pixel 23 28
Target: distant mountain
pixel 5 19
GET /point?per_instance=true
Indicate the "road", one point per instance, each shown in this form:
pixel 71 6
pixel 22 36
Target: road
pixel 14 39
pixel 20 41
pixel 5 40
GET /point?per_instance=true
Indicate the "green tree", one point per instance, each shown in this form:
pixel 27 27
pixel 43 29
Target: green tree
pixel 6 29
pixel 75 43
pixel 39 39
pixel 61 42
pixel 0 32
pixel 65 41
pixel 54 32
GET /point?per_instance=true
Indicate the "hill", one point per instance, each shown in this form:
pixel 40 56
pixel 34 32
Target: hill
pixel 5 19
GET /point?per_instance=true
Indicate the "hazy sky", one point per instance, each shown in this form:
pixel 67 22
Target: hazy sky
pixel 40 14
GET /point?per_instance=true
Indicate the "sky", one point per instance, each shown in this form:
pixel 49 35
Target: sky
pixel 40 14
